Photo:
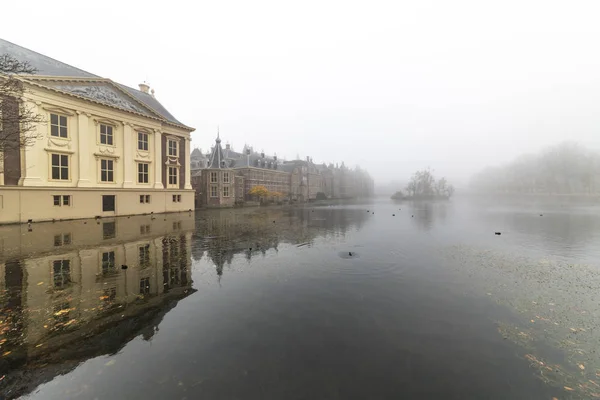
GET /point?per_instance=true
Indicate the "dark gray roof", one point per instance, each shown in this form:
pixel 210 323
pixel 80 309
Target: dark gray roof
pixel 217 160
pixel 151 102
pixel 97 91
pixel 43 64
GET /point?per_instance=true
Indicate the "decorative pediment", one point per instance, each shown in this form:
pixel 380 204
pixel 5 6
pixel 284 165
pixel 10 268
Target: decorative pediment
pixel 57 110
pixel 102 92
pixel 173 161
pixel 143 129
pixel 105 121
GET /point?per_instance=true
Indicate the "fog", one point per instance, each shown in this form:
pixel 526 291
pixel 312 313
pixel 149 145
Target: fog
pixel 390 86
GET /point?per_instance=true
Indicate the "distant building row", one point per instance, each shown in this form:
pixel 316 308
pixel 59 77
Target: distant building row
pixel 225 177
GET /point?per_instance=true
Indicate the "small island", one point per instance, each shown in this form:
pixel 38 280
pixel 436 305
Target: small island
pixel 424 186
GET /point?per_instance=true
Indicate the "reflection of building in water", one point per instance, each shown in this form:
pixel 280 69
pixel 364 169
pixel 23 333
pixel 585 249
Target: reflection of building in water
pixel 71 287
pixel 220 235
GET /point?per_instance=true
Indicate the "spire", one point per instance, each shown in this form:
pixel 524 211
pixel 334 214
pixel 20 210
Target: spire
pixel 218 135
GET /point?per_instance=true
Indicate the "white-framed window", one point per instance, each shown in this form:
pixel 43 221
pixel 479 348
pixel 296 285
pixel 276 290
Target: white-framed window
pixel 225 177
pixel 225 191
pixel 60 167
pixel 106 135
pixel 172 148
pixel 61 200
pixel 58 125
pixel 213 177
pixel 107 170
pixel 213 191
pixel 176 198
pixel 142 141
pixel 143 172
pixel 173 176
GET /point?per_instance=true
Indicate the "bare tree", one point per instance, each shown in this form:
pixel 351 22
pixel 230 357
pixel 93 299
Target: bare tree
pixel 17 120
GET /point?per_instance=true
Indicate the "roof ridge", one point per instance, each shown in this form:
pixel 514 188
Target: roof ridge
pixel 51 58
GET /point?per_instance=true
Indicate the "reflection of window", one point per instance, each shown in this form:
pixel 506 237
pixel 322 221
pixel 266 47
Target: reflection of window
pixel 58 125
pixel 108 230
pixel 144 229
pixel 110 294
pixel 225 191
pixel 173 175
pixel 62 240
pixel 107 170
pixel 142 141
pixel 61 270
pixel 144 255
pixel 60 167
pixel 145 286
pixel 61 312
pixel 108 262
pixel 213 177
pixel 176 225
pixel 143 172
pixel 106 134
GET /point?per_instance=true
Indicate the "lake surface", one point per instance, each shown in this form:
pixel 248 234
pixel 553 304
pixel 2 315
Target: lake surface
pixel 380 300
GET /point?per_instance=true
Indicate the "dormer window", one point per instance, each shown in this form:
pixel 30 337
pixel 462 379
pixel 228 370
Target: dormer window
pixel 172 148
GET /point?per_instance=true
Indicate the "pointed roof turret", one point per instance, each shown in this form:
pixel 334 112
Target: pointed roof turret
pixel 217 159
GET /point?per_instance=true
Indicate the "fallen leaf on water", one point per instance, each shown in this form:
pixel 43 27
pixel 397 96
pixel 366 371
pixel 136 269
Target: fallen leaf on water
pixel 581 366
pixel 573 329
pixel 594 383
pixel 39 345
pixel 111 362
pixel 2 377
pixel 569 389
pixel 7 353
pixel 555 398
pixel 40 283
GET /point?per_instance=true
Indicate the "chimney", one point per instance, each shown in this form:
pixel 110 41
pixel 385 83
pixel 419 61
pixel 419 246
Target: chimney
pixel 262 154
pixel 152 93
pixel 144 87
pixel 228 146
pixel 307 158
pixel 275 157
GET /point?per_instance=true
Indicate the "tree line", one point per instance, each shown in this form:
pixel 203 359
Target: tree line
pixel 567 168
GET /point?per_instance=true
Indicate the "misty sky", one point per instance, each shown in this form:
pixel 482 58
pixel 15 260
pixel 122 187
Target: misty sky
pixel 391 86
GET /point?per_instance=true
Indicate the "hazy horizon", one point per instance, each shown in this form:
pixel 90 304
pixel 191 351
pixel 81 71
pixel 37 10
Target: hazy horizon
pixel 455 86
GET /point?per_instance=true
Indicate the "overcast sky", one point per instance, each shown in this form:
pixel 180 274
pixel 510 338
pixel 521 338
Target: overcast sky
pixel 390 86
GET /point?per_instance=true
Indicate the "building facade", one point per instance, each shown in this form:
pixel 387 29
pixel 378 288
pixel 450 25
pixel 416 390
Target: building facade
pixel 293 181
pixel 104 149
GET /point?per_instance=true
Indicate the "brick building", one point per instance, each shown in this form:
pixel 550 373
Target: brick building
pixel 295 180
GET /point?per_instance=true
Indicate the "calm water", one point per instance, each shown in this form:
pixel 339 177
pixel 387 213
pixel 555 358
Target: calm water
pixel 326 302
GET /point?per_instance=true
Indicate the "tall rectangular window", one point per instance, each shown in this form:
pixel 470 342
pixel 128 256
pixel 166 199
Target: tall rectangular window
pixel 61 271
pixel 106 134
pixel 145 286
pixel 108 262
pixel 172 148
pixel 225 191
pixel 173 175
pixel 144 255
pixel 225 177
pixel 58 125
pixel 143 172
pixel 107 170
pixel 109 230
pixel 60 167
pixel 142 141
pixel 213 177
pixel 213 191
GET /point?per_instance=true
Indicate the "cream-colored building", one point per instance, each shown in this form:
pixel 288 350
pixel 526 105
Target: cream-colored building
pixel 105 149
